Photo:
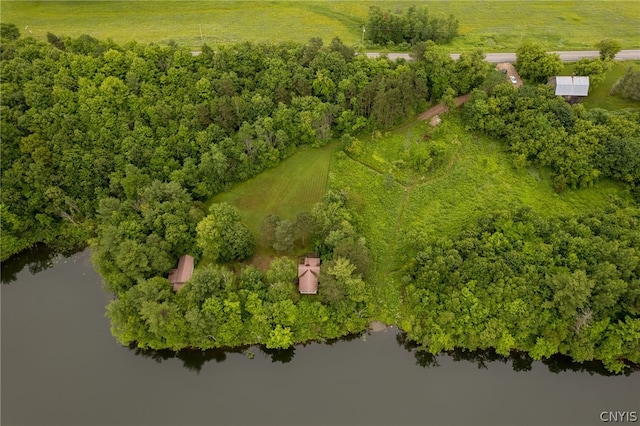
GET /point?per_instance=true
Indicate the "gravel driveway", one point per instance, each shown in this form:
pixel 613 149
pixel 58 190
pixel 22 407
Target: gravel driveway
pixel 510 71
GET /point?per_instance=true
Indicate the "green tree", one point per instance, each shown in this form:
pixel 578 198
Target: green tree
pixel 471 71
pixel 268 229
pixel 304 227
pixel 9 32
pixel 628 86
pixel 280 279
pixel 223 235
pixel 572 292
pixel 535 64
pixel 608 48
pixel 280 338
pixel 55 41
pixel 595 69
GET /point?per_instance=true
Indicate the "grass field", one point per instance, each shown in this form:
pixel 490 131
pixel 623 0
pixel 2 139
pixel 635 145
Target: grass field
pixel 294 186
pixel 491 25
pixel 478 178
pixel 599 96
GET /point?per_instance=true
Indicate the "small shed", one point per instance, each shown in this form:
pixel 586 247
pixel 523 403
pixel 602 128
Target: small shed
pixel 182 273
pixel 308 273
pixel 571 88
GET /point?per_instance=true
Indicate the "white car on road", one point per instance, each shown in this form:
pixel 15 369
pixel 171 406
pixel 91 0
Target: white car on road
pixel 513 79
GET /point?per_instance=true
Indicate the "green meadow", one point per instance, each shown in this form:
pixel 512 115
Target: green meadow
pixel 490 25
pixel 476 177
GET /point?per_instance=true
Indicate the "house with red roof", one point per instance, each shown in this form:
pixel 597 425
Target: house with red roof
pixel 308 274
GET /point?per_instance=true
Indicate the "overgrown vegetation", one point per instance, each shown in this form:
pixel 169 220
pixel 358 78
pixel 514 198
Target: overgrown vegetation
pixel 540 128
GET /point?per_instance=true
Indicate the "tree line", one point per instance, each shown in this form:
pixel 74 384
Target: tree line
pixel 385 27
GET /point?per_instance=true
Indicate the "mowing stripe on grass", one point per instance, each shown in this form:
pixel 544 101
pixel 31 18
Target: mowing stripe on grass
pixel 295 185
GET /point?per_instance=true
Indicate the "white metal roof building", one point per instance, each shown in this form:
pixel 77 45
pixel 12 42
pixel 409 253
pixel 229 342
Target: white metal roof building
pixel 572 86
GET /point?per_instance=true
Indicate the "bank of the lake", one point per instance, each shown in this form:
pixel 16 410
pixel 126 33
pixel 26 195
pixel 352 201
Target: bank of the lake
pixel 61 366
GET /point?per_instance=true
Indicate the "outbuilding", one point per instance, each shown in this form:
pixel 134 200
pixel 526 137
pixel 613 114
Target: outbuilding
pixel 571 88
pixel 182 273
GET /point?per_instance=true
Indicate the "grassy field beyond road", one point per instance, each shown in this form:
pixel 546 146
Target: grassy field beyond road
pixel 491 25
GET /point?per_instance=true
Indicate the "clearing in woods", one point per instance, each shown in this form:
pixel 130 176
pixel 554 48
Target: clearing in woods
pixel 293 186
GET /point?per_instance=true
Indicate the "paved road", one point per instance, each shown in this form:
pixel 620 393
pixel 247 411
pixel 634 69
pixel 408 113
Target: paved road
pixel 571 56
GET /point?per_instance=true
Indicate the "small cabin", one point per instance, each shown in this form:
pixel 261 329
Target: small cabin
pixel 308 273
pixel 182 273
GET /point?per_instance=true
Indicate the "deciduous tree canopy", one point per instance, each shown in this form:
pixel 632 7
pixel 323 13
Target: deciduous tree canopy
pixel 517 281
pixel 84 119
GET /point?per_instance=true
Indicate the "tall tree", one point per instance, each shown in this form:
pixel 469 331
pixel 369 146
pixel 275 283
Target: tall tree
pixel 535 64
pixel 223 236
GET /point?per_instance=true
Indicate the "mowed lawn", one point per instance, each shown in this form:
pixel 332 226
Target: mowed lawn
pixel 294 186
pixel 490 25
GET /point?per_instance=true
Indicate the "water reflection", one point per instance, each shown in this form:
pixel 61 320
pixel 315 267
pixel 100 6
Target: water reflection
pixel 520 361
pixel 194 359
pixel 280 355
pixel 36 259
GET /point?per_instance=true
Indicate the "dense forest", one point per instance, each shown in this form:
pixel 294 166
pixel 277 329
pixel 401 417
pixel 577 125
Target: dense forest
pixel 516 281
pixel 84 119
pixel 124 147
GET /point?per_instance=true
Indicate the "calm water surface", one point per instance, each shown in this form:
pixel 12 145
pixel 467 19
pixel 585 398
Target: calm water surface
pixel 60 366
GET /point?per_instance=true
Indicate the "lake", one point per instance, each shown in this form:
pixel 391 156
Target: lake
pixel 61 366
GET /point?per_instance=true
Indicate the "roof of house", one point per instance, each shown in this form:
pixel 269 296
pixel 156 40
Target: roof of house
pixel 182 273
pixel 572 86
pixel 308 273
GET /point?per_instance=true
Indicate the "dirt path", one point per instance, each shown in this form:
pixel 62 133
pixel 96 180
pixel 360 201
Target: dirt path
pixel 441 108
